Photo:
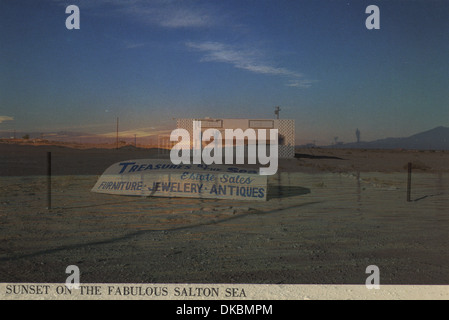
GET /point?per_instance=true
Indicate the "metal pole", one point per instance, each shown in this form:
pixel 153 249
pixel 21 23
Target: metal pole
pixel 409 181
pixel 117 133
pixel 276 111
pixel 48 180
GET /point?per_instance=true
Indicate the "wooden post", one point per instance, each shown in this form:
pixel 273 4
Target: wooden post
pixel 409 181
pixel 48 180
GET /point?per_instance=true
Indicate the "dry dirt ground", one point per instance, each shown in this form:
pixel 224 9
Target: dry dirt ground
pixel 329 215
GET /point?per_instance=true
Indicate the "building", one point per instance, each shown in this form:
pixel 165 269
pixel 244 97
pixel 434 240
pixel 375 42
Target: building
pixel 285 127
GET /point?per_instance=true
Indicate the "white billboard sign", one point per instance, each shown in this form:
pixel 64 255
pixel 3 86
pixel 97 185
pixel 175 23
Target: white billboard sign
pixel 162 178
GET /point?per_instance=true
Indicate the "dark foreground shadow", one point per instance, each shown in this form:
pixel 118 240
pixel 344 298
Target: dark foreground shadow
pixel 428 196
pixel 310 156
pixel 139 233
pixel 285 191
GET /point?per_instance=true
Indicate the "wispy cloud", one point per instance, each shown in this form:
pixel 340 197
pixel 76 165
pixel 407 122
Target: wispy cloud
pixel 140 133
pixel 246 59
pixel 163 17
pixel 178 17
pixel 163 13
pixel 300 83
pixel 132 44
pixel 5 118
pixel 177 14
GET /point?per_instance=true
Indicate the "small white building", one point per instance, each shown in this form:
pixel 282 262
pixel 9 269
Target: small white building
pixel 285 127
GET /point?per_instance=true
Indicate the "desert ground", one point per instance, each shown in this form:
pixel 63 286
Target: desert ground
pixel 330 213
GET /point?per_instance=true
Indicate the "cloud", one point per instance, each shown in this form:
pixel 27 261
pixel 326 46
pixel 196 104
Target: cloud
pixel 140 132
pixel 300 83
pixel 177 14
pixel 5 118
pixel 242 59
pixel 246 59
pixel 183 18
pixel 132 44
pixel 171 18
pixel 163 13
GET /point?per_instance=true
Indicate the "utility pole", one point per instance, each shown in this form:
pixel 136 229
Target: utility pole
pixel 276 111
pixel 357 134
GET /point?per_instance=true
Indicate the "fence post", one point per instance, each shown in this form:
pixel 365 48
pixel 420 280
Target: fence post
pixel 48 180
pixel 409 181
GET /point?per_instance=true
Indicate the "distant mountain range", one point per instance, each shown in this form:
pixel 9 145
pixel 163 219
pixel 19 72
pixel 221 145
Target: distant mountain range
pixel 70 136
pixel 434 139
pixel 39 135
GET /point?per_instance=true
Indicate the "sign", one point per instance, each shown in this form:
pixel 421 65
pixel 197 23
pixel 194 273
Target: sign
pixel 162 178
pixel 212 123
pixel 261 124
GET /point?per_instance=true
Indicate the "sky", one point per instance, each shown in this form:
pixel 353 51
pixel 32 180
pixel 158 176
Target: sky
pixel 148 62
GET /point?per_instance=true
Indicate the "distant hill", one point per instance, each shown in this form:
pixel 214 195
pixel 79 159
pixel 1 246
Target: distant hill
pixel 434 139
pixel 58 136
pixel 70 136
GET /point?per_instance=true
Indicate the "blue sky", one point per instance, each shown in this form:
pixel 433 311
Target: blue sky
pixel 147 62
